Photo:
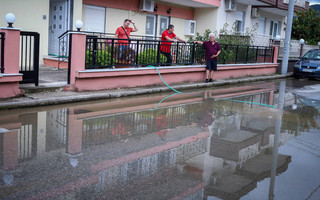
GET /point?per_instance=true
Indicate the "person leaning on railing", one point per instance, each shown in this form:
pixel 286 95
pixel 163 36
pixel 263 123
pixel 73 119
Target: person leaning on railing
pixel 123 32
pixel 213 50
pixel 165 49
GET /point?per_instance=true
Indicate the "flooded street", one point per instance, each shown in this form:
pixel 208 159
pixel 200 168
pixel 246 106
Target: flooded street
pixel 252 141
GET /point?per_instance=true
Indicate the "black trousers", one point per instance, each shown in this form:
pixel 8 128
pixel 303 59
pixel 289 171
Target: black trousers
pixel 169 58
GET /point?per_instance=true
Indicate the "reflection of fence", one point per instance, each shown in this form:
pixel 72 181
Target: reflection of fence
pixel 109 52
pixel 137 123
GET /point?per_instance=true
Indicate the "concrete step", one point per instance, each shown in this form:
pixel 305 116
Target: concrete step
pixel 43 87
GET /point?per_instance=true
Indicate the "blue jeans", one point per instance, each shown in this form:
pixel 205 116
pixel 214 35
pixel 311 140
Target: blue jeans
pixel 123 50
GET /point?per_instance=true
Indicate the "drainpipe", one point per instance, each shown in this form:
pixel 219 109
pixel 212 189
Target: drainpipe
pixel 286 51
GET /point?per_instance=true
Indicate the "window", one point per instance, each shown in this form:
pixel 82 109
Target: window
pixel 262 26
pixel 275 28
pixel 151 25
pixel 95 18
pixel 164 23
pixel 240 18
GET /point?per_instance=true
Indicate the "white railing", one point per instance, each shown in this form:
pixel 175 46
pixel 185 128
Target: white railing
pixel 261 40
pixel 295 48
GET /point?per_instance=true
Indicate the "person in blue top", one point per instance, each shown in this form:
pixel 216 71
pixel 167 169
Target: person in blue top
pixel 213 50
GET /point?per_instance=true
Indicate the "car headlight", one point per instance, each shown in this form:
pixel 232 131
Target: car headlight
pixel 318 68
pixel 296 65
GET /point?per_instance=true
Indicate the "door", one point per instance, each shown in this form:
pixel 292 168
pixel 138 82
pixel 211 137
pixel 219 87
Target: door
pixel 57 24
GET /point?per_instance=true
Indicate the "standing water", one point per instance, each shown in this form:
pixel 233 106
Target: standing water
pixel 254 141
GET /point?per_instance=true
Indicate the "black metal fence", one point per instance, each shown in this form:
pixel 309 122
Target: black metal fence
pixel 2 52
pixel 29 57
pixel 112 52
pixel 64 41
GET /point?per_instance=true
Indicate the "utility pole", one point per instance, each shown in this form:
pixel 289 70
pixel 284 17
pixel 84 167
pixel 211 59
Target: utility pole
pixel 286 51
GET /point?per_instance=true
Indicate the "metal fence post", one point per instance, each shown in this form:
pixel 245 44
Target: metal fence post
pixel 236 61
pixel 158 54
pixel 177 53
pixel 112 47
pixel 137 56
pixel 69 59
pixel 36 57
pixel 94 50
pixel 2 52
pixel 193 51
pixel 247 56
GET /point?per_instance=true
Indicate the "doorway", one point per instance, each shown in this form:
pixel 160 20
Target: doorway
pixel 58 23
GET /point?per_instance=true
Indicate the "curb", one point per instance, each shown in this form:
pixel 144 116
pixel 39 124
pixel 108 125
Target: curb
pixel 127 93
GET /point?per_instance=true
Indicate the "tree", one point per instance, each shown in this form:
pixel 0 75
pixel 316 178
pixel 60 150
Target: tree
pixel 307 26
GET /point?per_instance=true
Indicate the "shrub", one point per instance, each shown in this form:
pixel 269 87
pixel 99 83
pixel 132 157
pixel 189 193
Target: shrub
pixel 102 58
pixel 149 57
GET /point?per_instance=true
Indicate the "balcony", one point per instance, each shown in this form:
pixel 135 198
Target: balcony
pixel 278 7
pixel 195 3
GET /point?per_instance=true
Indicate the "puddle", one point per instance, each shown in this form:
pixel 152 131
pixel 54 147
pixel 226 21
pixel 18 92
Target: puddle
pixel 254 141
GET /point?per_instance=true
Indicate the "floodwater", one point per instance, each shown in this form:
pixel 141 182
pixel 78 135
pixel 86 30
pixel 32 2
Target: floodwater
pixel 254 141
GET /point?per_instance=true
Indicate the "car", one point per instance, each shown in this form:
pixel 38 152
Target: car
pixel 308 65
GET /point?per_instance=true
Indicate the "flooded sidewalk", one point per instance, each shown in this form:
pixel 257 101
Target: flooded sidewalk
pixel 51 92
pixel 253 141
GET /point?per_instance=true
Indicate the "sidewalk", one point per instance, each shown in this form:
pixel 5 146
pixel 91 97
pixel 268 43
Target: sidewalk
pixel 51 93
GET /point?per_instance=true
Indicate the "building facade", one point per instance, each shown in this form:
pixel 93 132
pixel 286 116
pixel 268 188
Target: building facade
pixel 52 18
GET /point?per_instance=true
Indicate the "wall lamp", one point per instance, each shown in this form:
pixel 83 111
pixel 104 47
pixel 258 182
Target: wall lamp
pixel 169 11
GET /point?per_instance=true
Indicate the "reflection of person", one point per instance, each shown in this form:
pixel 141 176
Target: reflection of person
pixel 123 32
pixel 206 116
pixel 213 50
pixel 165 49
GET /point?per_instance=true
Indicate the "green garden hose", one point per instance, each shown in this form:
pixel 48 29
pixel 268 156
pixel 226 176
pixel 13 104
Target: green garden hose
pixel 178 92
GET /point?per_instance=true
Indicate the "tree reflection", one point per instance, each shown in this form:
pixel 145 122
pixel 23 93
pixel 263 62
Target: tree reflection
pixel 303 117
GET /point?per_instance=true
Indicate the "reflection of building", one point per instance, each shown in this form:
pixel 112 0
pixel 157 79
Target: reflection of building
pixel 56 124
pixel 95 150
pixel 240 154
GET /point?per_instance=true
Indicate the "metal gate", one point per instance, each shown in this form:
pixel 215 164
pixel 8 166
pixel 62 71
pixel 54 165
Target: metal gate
pixel 29 57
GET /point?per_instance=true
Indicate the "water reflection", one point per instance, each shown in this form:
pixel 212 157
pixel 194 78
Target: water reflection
pixel 191 146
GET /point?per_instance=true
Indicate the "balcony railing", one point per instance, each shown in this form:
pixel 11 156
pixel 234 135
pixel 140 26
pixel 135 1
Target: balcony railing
pixel 112 52
pixel 64 41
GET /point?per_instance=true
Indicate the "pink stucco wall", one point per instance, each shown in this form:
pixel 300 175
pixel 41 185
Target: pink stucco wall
pixel 216 3
pixel 78 55
pixel 9 86
pixel 111 79
pixel 11 50
pixel 9 81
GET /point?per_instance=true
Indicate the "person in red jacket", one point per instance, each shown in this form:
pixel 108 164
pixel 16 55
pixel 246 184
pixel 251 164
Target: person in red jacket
pixel 165 49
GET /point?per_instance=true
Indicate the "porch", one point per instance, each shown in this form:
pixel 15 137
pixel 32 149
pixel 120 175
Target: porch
pixel 98 63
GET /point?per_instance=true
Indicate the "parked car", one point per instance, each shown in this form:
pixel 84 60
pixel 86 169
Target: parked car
pixel 308 65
